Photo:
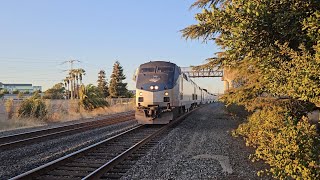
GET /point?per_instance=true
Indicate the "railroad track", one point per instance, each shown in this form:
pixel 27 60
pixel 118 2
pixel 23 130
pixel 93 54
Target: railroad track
pixel 21 139
pixel 107 159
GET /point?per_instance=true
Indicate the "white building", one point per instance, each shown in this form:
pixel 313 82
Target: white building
pixel 20 87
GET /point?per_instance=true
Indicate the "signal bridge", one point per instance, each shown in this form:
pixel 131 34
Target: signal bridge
pixel 227 75
pixel 201 73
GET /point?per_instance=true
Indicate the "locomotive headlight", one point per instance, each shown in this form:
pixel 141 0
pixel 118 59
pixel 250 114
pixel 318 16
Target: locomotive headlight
pixel 156 87
pixel 140 93
pixel 152 87
pixel 166 94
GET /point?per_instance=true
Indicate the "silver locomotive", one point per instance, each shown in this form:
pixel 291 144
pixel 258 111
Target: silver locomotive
pixel 163 92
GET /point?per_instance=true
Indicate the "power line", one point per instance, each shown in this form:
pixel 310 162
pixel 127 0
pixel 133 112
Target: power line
pixel 37 59
pixel 71 62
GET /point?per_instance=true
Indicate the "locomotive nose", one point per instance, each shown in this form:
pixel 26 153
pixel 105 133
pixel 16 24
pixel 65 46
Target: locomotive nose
pixel 150 98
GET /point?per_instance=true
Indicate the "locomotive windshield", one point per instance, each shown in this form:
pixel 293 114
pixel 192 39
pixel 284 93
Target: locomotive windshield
pixel 147 70
pixel 157 73
pixel 165 69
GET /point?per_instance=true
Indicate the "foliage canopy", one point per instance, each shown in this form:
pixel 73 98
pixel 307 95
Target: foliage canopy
pixel 102 83
pixel 56 92
pixel 91 97
pixel 274 46
pixel 117 88
pixel 33 107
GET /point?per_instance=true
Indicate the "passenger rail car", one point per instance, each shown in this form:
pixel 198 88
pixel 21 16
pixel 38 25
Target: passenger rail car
pixel 163 92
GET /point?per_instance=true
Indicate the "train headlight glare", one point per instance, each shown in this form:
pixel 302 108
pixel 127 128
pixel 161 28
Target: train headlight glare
pixel 152 87
pixel 140 94
pixel 166 94
pixel 156 87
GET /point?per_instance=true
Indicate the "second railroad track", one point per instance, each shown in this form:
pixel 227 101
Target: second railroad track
pixel 107 159
pixel 27 138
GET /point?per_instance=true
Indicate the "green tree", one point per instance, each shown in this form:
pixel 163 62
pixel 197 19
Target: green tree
pixel 4 91
pixel 117 88
pixel 56 92
pixel 130 94
pixel 15 91
pixel 273 45
pixel 274 48
pixel 102 83
pixel 1 93
pixel 73 82
pixel 91 97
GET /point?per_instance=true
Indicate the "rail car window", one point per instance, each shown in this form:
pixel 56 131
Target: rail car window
pixel 147 70
pixel 165 69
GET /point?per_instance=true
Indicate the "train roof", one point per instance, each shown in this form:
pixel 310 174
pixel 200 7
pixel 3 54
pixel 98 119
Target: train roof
pixel 159 63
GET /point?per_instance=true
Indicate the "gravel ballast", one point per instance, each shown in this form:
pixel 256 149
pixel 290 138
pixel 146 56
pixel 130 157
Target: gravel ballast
pixel 20 160
pixel 201 147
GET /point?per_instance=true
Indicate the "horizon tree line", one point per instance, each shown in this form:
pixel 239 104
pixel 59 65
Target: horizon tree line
pixel 71 85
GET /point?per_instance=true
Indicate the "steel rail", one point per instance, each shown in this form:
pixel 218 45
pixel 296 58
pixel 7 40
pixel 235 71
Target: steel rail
pixel 103 168
pixel 121 157
pixel 15 140
pixel 51 165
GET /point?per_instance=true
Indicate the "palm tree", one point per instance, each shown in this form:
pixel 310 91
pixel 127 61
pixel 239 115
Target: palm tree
pixel 78 75
pixel 75 80
pixel 71 79
pixel 82 72
pixel 66 84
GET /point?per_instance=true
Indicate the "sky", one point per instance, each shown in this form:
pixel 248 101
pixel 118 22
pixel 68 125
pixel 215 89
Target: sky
pixel 37 36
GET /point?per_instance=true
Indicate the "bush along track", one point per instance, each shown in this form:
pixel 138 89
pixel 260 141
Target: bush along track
pixel 272 48
pixel 288 144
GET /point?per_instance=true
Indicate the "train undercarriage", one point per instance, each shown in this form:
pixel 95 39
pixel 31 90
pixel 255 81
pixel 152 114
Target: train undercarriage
pixel 157 115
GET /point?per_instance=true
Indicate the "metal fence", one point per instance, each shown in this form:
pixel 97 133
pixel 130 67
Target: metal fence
pixel 120 101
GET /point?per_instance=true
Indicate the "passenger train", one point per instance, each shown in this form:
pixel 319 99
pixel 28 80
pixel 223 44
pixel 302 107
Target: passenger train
pixel 163 92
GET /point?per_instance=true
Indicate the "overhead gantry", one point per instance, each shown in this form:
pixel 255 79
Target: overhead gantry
pixel 226 75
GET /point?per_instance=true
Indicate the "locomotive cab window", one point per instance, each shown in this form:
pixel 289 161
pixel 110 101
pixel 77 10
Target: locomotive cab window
pixel 147 70
pixel 165 69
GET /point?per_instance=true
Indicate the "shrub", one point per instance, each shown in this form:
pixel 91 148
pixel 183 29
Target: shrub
pixel 91 97
pixel 9 107
pixel 15 92
pixel 20 95
pixel 289 145
pixel 33 107
pixel 237 111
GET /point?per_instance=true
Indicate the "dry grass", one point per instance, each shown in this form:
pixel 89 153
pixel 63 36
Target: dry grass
pixel 75 113
pixel 18 123
pixel 58 111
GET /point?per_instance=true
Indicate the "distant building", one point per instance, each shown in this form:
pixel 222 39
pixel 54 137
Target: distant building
pixel 20 87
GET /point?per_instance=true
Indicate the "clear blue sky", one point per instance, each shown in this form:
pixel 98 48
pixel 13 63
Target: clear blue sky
pixel 36 36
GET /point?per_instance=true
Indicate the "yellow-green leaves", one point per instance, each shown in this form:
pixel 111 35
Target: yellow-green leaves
pixel 290 149
pixel 274 48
